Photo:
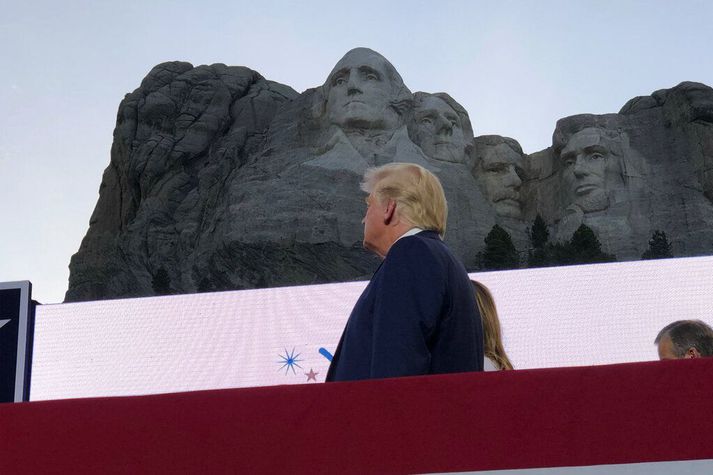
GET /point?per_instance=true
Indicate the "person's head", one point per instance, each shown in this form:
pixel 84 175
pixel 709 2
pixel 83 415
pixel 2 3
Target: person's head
pixel 401 196
pixel 685 339
pixel 492 337
pixel 364 91
pixel 440 126
pixel 498 167
pixel 589 160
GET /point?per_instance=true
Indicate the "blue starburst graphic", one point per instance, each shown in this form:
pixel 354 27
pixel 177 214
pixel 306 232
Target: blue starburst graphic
pixel 289 360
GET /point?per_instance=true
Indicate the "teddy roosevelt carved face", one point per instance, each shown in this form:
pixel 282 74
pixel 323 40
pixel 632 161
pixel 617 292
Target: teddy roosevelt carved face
pixel 361 91
pixel 587 163
pixel 499 171
pixel 438 128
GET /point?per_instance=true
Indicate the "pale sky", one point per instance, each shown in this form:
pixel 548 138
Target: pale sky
pixel 516 67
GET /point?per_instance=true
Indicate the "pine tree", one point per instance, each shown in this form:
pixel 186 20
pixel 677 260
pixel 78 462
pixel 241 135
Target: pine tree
pixel 539 235
pixel 538 255
pixel 559 254
pixel 585 248
pixel 499 252
pixel 205 285
pixel 161 282
pixel 659 247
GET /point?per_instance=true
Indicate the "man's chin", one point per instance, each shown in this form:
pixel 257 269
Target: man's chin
pixel 448 153
pixel 360 122
pixel 371 248
pixel 509 208
pixel 595 201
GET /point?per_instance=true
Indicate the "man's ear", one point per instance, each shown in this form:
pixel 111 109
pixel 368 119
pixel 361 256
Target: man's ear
pixel 692 352
pixel 389 211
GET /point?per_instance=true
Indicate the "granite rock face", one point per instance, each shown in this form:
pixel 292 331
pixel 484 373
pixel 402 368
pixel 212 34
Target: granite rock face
pixel 625 175
pixel 220 179
pixel 179 139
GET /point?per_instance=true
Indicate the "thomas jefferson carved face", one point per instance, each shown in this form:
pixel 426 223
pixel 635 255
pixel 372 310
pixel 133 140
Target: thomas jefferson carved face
pixel 587 160
pixel 438 130
pixel 499 174
pixel 360 90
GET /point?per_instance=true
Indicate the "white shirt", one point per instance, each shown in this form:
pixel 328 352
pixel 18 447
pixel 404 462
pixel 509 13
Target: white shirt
pixel 410 232
pixel 489 365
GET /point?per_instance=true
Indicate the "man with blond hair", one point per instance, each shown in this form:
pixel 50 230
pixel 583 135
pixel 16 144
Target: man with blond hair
pixel 418 314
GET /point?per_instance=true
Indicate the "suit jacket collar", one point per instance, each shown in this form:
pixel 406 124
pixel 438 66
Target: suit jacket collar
pixel 429 234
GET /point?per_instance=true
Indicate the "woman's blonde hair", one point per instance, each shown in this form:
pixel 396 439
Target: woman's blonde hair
pixel 492 338
pixel 418 194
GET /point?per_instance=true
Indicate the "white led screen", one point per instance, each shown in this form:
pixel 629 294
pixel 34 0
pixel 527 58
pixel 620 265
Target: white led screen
pixel 561 316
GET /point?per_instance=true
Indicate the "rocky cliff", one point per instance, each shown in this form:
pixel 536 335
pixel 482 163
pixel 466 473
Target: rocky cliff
pixel 221 179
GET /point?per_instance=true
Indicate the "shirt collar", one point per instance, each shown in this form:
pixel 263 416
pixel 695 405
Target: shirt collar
pixel 410 232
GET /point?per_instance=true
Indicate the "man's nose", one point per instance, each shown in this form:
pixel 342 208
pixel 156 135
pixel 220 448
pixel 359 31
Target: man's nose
pixel 444 125
pixel 354 84
pixel 512 179
pixel 580 168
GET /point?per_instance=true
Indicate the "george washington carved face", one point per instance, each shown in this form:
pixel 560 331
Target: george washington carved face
pixel 360 92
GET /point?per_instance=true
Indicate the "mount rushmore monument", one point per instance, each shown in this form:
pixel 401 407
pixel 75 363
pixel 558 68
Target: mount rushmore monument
pixel 221 179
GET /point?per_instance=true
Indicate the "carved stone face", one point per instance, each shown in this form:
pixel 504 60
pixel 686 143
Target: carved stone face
pixel 438 130
pixel 499 174
pixel 360 91
pixel 587 160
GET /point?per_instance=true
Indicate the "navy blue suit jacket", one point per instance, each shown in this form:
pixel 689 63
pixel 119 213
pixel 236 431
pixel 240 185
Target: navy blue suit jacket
pixel 417 316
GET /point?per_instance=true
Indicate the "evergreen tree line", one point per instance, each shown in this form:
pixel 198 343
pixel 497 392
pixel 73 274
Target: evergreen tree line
pixel 583 248
pixel 500 253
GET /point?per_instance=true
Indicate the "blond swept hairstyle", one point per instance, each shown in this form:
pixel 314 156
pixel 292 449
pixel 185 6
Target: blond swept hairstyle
pixel 418 194
pixel 492 337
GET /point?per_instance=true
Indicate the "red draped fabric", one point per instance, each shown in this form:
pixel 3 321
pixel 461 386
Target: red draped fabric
pixel 639 412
